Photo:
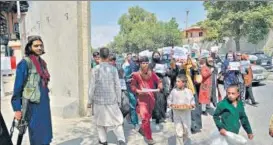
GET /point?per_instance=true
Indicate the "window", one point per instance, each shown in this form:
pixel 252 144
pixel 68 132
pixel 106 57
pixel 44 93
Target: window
pixel 191 34
pixel 200 34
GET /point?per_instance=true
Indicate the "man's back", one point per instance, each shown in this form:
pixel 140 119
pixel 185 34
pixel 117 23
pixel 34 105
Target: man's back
pixel 106 85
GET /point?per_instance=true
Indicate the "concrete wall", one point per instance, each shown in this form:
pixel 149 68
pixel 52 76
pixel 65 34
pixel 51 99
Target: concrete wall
pixel 263 45
pixel 65 29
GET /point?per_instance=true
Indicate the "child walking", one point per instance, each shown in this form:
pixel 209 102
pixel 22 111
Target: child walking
pixel 181 95
pixel 230 112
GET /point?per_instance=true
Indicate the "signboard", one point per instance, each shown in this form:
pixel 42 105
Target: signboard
pixel 204 54
pixel 214 49
pixel 234 66
pixel 160 68
pixel 180 53
pixel 167 50
pixel 245 64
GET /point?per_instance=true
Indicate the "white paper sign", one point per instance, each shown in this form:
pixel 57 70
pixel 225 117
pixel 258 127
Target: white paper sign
pixel 180 53
pixel 245 64
pixel 234 66
pixel 204 53
pixel 160 68
pixel 123 84
pixel 214 49
pixel 167 50
pixel 144 90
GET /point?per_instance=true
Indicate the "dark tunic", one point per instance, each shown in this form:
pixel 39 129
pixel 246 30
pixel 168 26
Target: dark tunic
pixel 40 127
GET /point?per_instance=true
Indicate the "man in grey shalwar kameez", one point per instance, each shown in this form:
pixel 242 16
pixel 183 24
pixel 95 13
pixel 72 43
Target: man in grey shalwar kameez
pixel 105 98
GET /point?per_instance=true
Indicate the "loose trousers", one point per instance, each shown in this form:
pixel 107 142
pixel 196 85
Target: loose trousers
pixel 145 109
pixel 118 131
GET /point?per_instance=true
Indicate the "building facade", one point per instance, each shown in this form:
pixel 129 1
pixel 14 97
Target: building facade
pixel 193 35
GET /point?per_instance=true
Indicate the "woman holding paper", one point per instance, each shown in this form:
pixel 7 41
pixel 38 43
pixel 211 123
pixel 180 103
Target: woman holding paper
pixel 144 83
pixel 248 77
pixel 161 97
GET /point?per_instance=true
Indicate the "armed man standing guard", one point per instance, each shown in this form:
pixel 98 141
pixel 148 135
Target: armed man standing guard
pixel 30 87
pixel 105 96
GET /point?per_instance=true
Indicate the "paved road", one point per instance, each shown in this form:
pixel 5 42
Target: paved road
pixel 81 131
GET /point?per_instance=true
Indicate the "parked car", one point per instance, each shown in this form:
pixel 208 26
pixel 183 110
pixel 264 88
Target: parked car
pixel 263 60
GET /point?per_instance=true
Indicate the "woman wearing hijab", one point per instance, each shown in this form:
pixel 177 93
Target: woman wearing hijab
pixel 208 88
pixel 161 97
pixel 232 76
pixel 145 79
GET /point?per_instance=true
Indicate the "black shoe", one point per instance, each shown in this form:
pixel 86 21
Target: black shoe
pixel 121 142
pixel 205 113
pixel 140 131
pixel 103 143
pixel 255 103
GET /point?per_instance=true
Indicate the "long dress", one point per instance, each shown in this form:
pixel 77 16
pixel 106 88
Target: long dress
pixel 40 127
pixel 146 101
pixel 161 97
pixel 132 98
pixel 232 77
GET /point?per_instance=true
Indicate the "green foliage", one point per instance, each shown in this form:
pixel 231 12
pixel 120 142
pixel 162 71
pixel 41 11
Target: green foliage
pixel 237 19
pixel 140 30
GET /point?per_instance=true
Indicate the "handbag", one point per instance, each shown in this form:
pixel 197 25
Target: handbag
pixel 198 77
pixel 125 104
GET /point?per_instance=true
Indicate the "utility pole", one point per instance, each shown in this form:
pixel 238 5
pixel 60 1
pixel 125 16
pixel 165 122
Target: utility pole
pixel 187 15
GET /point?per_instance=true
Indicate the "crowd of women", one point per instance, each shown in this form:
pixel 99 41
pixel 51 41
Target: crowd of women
pixel 160 73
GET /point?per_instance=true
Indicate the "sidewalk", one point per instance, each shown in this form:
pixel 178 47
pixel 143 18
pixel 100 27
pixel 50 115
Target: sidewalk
pixel 81 131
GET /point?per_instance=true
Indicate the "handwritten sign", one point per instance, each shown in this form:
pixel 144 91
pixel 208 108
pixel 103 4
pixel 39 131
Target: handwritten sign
pixel 160 68
pixel 214 49
pixel 180 53
pixel 234 66
pixel 123 84
pixel 145 90
pixel 245 64
pixel 167 50
pixel 204 53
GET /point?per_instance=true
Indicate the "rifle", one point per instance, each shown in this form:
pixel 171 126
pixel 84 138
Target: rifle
pixel 22 124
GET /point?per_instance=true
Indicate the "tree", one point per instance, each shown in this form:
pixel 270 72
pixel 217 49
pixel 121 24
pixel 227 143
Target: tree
pixel 140 30
pixel 238 19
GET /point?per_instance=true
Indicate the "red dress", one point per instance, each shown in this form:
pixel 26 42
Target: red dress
pixel 206 85
pixel 146 102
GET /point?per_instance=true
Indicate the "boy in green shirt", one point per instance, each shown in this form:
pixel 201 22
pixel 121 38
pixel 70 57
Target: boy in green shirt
pixel 230 114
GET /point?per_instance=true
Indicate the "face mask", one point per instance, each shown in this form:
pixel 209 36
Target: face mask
pixel 156 59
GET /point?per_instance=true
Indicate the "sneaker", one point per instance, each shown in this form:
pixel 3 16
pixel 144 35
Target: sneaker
pixel 151 142
pixel 121 142
pixel 255 103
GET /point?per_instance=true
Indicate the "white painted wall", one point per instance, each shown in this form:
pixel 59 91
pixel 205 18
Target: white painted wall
pixel 57 23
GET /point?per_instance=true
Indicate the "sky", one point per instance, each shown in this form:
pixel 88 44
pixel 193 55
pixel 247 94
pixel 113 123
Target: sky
pixel 105 15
